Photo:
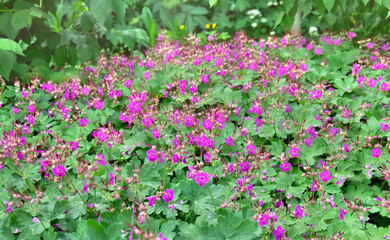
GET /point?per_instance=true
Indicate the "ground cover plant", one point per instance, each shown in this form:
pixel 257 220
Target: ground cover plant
pixel 269 138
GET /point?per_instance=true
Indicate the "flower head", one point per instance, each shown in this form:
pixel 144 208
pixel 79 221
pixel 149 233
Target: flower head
pixel 168 196
pixel 59 170
pixel 202 178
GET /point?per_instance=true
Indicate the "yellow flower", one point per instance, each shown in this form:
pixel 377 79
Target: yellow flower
pixel 214 25
pixel 182 27
pixel 207 26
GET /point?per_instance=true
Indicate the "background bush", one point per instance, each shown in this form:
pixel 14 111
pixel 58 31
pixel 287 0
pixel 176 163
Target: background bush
pixel 39 36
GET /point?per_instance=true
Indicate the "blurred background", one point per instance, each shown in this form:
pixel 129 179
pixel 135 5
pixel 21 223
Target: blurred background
pixel 39 37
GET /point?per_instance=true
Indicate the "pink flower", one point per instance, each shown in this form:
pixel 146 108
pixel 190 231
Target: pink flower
pixel 189 121
pixel 279 233
pixel 98 105
pixel 15 110
pixel 168 196
pixel 152 200
pixel 298 213
pixel 160 237
pixel 285 166
pixel 152 155
pixel 251 149
pixel 346 148
pixel 202 178
pixel 308 142
pixel 384 126
pixel 351 35
pixel 318 51
pixel 294 152
pixel 263 220
pixel 384 87
pixel 325 176
pixel 146 75
pixel 147 122
pixel 245 166
pixel 83 122
pixel 342 213
pixel 100 159
pixel 208 124
pixel 376 152
pixel 229 141
pixel 59 170
pixel 370 45
pixel 156 133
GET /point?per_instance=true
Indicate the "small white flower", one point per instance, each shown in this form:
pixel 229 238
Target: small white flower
pixel 263 20
pixel 269 4
pixel 254 24
pixel 272 33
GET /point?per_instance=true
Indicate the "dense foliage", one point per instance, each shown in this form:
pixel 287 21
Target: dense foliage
pixel 274 138
pixel 39 36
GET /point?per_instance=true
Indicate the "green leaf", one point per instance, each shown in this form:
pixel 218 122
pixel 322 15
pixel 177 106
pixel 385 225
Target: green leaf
pixel 149 175
pixel 328 4
pixel 100 10
pixel 213 3
pixel 7 62
pixel 60 56
pixel 7 44
pixel 72 55
pixel 94 230
pixel 6 26
pixel 147 17
pixel 365 2
pixel 167 19
pixel 120 7
pixel 279 18
pixel 200 197
pixel 231 225
pixel 21 19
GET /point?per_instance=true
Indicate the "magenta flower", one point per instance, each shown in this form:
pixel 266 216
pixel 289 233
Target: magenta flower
pixel 318 51
pixel 308 142
pixel 384 126
pixel 208 124
pixel 98 105
pixel 351 35
pixel 15 110
pixel 152 200
pixel 346 148
pixel 325 176
pixel 202 178
pixel 279 233
pixel 147 122
pixel 285 166
pixel 146 75
pixel 189 121
pixel 294 152
pixel 298 213
pixel 245 166
pixel 229 141
pixel 100 159
pixel 156 133
pixel 59 170
pixel 384 87
pixel 251 149
pixel 342 213
pixel 370 45
pixel 376 152
pixel 168 196
pixel 151 155
pixel 263 220
pixel 160 237
pixel 83 122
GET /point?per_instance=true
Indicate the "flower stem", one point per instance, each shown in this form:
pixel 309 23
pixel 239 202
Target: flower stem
pixel 212 197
